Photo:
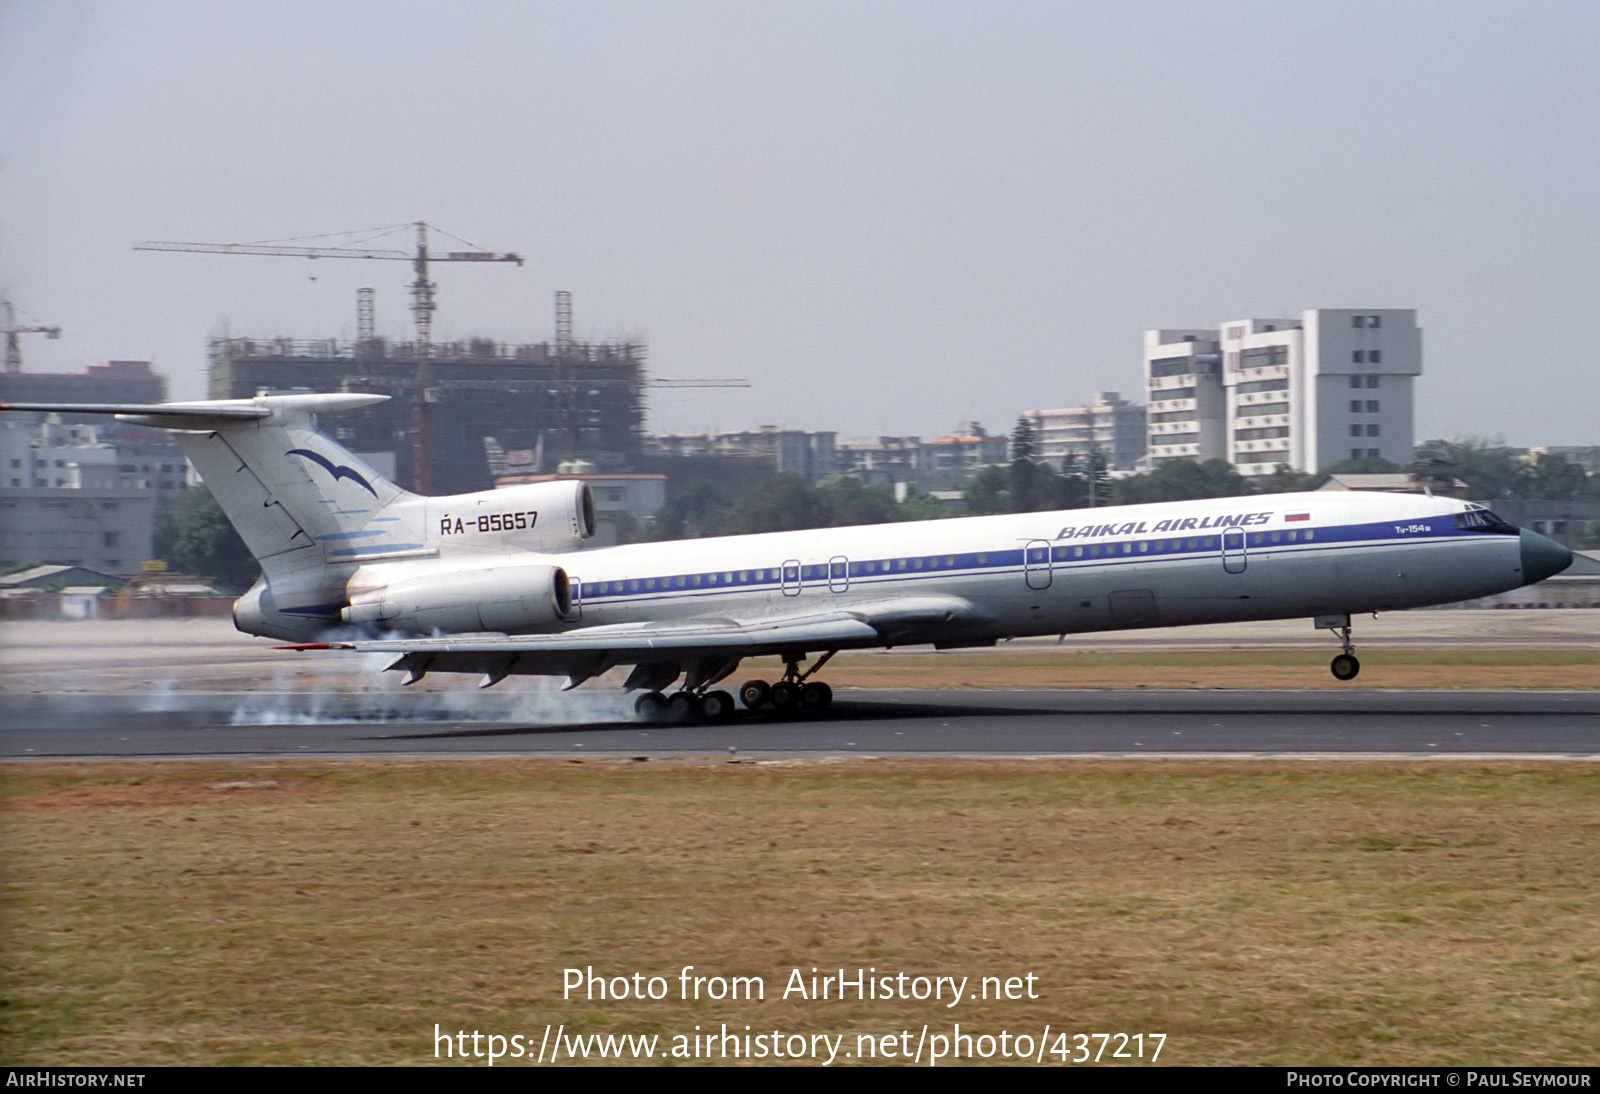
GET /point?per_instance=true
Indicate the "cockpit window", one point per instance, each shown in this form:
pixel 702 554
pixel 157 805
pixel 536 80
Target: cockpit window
pixel 1483 520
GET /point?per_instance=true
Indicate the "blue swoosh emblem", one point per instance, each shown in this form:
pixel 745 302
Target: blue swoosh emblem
pixel 339 471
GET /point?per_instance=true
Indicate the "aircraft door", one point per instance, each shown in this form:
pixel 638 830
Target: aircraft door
pixel 838 573
pixel 790 575
pixel 1233 551
pixel 1036 564
pixel 576 586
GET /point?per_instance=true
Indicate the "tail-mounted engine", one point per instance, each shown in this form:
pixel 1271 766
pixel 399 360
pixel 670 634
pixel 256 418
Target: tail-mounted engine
pixel 542 516
pixel 508 599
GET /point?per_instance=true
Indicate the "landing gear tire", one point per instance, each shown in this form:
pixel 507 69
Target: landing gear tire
pixel 684 706
pixel 815 696
pixel 717 706
pixel 785 696
pixel 1345 667
pixel 755 693
pixel 651 707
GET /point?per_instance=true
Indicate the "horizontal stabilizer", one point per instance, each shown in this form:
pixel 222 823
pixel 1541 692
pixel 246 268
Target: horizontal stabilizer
pixel 209 413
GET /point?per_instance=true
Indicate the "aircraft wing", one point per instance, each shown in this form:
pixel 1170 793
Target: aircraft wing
pixel 587 651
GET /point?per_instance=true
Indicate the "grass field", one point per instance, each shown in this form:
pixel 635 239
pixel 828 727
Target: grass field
pixel 1437 913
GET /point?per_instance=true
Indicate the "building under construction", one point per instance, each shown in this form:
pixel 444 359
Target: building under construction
pixel 561 400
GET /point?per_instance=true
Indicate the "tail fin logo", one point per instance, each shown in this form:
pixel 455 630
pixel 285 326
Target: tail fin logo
pixel 338 471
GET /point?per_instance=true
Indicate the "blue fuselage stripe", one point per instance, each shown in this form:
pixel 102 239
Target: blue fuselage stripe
pixel 1188 546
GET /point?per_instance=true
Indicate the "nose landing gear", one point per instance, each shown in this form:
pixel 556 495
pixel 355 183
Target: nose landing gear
pixel 1345 666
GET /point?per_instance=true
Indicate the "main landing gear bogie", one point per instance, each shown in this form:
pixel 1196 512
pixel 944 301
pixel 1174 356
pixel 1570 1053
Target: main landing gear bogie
pixel 684 706
pixel 794 693
pixel 787 697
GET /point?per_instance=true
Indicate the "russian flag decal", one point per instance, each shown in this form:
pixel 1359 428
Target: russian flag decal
pixel 1297 516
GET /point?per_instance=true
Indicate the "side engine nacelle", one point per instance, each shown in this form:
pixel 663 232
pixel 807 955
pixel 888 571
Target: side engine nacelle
pixel 541 516
pixel 510 599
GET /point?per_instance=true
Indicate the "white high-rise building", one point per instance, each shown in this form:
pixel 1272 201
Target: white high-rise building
pixel 1333 385
pixel 1183 375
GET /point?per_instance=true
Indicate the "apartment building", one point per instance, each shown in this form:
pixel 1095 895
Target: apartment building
pixel 1111 425
pixel 1334 384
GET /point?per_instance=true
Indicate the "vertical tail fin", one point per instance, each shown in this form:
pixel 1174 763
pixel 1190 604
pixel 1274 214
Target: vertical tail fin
pixel 286 487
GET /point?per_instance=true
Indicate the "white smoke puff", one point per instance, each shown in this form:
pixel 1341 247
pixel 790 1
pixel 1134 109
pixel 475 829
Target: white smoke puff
pixel 341 687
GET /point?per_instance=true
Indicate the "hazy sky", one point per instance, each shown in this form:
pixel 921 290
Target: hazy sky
pixel 888 216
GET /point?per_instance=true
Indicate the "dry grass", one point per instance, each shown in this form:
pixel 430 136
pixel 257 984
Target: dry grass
pixel 1255 913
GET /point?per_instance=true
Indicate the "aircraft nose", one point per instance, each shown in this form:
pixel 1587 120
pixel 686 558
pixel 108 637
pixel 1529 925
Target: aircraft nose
pixel 1542 557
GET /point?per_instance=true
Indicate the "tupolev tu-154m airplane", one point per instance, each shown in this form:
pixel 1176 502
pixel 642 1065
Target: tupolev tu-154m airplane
pixel 499 582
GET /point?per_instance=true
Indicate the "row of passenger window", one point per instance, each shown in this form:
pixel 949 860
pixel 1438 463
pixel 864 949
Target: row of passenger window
pixel 772 575
pixel 1192 543
pixel 820 573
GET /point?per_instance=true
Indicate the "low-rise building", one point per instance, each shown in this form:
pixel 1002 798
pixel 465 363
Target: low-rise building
pixel 807 453
pixel 98 527
pixel 1110 425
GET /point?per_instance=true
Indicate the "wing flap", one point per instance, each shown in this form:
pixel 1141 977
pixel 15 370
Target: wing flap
pixel 861 625
pixel 630 640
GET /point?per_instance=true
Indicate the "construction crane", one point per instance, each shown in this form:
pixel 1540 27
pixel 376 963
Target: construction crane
pixel 13 344
pixel 423 304
pixel 657 381
pixel 423 299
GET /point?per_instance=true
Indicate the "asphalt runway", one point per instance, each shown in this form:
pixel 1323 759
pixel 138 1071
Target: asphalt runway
pixel 197 688
pixel 861 723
